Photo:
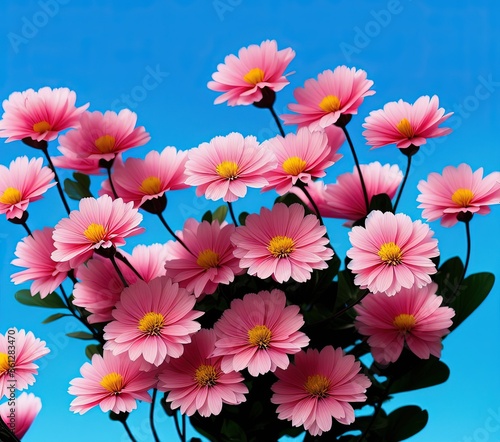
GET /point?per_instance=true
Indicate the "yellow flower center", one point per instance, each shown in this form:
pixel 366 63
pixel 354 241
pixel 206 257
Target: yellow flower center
pixel 462 197
pixel 113 382
pixel 254 76
pixel 259 336
pixel 294 166
pixel 404 322
pixel 405 129
pixel 4 363
pixel 95 233
pixel 206 375
pixel 208 259
pixel 10 196
pixel 330 103
pixel 41 127
pixel 152 323
pixel 281 246
pixel 228 170
pixel 151 185
pixel 317 386
pixel 390 253
pixel 105 144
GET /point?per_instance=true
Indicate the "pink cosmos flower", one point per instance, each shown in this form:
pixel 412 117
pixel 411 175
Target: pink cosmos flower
pixel 20 415
pixel 39 115
pixel 140 180
pixel 242 78
pixel 406 124
pixel 115 383
pixel 33 252
pixel 103 136
pixel 392 252
pixel 27 349
pixel 414 316
pixel 321 102
pixel 196 382
pixel 152 321
pixel 458 191
pixel 23 182
pixel 209 261
pixel 301 157
pixel 99 223
pixel 100 287
pixel 258 332
pixel 282 242
pixel 226 166
pixel 318 386
pixel 69 160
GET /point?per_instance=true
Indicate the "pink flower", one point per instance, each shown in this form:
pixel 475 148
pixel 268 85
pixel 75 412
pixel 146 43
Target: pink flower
pixel 282 242
pixel 99 223
pixel 318 386
pixel 19 366
pixel 226 166
pixel 301 157
pixel 321 102
pixel 457 191
pixel 39 115
pixel 242 78
pixel 115 383
pixel 19 415
pixel 392 252
pixel 70 160
pixel 33 252
pixel 103 136
pixel 23 182
pixel 141 180
pixel 258 332
pixel 196 382
pixel 209 261
pixel 152 321
pixel 405 124
pixel 414 316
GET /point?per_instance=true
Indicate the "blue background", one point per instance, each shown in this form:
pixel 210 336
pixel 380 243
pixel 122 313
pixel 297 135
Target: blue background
pixel 104 50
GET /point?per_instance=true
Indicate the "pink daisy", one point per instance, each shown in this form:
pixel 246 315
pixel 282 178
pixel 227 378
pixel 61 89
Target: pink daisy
pixel 414 316
pixel 319 385
pixel 321 102
pixel 258 332
pixel 282 242
pixel 23 182
pixel 406 124
pixel 209 261
pixel 392 252
pixel 242 78
pixel 141 180
pixel 456 192
pixel 301 157
pixel 39 115
pixel 152 321
pixel 18 371
pixel 69 160
pixel 99 223
pixel 226 166
pixel 115 383
pixel 33 252
pixel 19 416
pixel 196 382
pixel 103 136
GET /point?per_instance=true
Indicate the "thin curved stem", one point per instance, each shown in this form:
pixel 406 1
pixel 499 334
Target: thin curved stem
pixel 120 274
pixel 177 426
pixel 231 211
pixel 127 429
pixel 108 170
pixel 123 259
pixel 58 184
pixel 403 183
pixel 164 222
pixel 467 257
pixel 376 410
pixel 303 187
pixel 151 416
pixel 28 231
pixel 184 428
pixel 278 122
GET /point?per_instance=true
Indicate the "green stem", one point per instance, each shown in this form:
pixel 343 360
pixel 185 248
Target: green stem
pixel 376 410
pixel 278 122
pixel 58 184
pixel 164 222
pixel 108 170
pixel 127 429
pixel 151 416
pixel 120 274
pixel 403 183
pixel 231 211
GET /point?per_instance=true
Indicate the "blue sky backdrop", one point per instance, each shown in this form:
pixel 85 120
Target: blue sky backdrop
pixel 156 57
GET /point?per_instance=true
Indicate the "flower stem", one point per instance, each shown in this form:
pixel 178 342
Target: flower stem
pixel 108 166
pixel 467 257
pixel 58 184
pixel 403 183
pixel 177 427
pixel 120 274
pixel 123 259
pixel 151 416
pixel 183 428
pixel 164 222
pixel 303 187
pixel 278 122
pixel 25 225
pixel 231 211
pixel 376 410
pixel 127 429
pixel 5 434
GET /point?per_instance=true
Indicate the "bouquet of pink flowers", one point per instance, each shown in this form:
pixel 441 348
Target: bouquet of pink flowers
pixel 248 325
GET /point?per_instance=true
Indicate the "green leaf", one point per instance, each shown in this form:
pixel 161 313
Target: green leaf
pixel 79 187
pixel 405 422
pixel 207 216
pixel 429 372
pixel 220 214
pixel 347 290
pixel 448 277
pixel 232 431
pixel 80 335
pixel 54 317
pixel 472 292
pixel 52 300
pixel 92 350
pixel 242 218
